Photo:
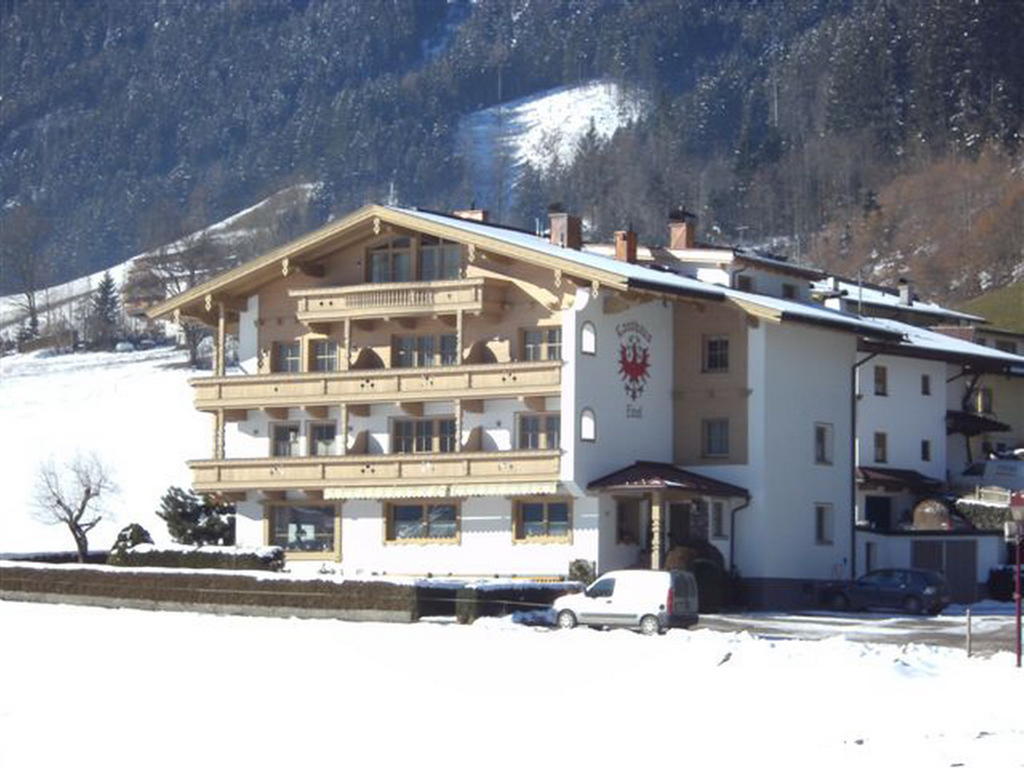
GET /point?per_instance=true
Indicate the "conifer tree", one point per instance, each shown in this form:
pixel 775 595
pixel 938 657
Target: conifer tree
pixel 105 312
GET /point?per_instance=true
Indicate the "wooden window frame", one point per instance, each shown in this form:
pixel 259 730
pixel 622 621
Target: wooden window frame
pixel 269 510
pixel 705 442
pixel 310 443
pixel 829 445
pixel 315 357
pixel 391 250
pixel 707 357
pixel 548 350
pixel 881 441
pixel 881 380
pixel 271 429
pixel 824 525
pixel 435 436
pixel 544 433
pixel 388 531
pixel 436 355
pixel 440 245
pixel 518 532
pixel 277 356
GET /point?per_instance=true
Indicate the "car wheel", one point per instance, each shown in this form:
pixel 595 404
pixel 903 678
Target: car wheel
pixel 839 602
pixel 566 619
pixel 912 605
pixel 649 625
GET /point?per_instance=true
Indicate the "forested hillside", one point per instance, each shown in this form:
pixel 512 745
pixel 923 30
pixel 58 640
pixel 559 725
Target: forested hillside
pixel 874 134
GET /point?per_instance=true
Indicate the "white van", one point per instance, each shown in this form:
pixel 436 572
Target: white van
pixel 997 473
pixel 651 601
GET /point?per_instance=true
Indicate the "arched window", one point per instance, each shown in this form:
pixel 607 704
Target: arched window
pixel 588 339
pixel 588 425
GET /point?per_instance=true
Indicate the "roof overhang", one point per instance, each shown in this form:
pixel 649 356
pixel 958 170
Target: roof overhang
pixel 896 479
pixel 660 476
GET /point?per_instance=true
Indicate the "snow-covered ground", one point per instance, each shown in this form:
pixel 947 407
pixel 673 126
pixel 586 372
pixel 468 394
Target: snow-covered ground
pixel 498 142
pixel 288 691
pixel 134 410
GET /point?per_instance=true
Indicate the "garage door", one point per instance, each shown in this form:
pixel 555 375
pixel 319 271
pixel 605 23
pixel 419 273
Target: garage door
pixel 956 560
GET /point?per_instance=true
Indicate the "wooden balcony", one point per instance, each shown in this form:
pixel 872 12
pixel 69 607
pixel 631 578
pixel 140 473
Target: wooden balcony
pixel 362 470
pixel 296 390
pixel 375 301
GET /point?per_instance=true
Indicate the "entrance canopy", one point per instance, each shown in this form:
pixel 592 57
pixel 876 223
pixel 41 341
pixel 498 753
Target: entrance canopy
pixel 972 424
pixel 656 475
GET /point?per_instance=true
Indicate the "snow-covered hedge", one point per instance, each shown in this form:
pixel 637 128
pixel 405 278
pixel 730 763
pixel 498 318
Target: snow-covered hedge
pixel 183 556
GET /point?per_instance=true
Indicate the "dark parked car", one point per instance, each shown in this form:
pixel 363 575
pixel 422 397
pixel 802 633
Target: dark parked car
pixel 905 589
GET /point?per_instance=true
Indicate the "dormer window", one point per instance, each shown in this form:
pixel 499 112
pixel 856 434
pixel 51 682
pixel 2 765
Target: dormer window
pixel 744 283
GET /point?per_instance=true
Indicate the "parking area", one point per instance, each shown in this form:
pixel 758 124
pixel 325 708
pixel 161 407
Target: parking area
pixel 992 626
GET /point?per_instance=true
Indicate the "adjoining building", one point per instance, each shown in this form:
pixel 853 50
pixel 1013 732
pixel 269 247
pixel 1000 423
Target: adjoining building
pixel 430 393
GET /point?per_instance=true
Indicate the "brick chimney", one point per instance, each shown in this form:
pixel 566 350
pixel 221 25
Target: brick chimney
pixel 906 292
pixel 625 246
pixel 473 214
pixel 682 229
pixel 566 230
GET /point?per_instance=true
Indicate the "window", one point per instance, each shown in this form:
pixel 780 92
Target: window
pixel 324 355
pixel 881 380
pixel 391 262
pixel 287 358
pixel 425 351
pixel 823 443
pixel 539 431
pixel 744 283
pixel 588 425
pixel 588 339
pixel 718 520
pixel 423 436
pixel 542 520
pixel 1006 346
pixel 602 588
pixel 322 439
pixel 715 437
pixel 627 521
pixel 542 344
pixel 285 440
pixel 436 521
pixel 926 384
pixel 303 529
pixel 789 291
pixel 822 523
pixel 439 259
pixel 881 448
pixel 926 450
pixel 716 354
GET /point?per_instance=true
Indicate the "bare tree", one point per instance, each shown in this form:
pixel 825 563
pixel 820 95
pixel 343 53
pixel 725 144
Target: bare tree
pixel 72 495
pixel 23 259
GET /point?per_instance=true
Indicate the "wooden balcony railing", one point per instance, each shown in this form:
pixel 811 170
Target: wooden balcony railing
pixel 295 390
pixel 385 300
pixel 321 472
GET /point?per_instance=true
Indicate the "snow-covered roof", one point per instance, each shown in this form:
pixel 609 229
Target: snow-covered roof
pixel 922 340
pixel 645 277
pixel 882 297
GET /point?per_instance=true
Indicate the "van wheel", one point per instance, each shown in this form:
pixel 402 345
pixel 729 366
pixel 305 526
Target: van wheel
pixel 566 619
pixel 649 625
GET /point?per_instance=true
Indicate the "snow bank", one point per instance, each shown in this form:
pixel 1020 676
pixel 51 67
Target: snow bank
pixel 134 410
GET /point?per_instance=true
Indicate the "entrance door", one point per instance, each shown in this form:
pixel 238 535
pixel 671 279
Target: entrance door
pixel 679 522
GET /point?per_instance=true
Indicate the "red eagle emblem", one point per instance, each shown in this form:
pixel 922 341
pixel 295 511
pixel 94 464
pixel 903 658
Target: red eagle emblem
pixel 634 367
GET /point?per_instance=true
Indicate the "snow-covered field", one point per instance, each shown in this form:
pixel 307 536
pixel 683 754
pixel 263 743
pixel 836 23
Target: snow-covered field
pixel 134 410
pixel 91 686
pixel 498 142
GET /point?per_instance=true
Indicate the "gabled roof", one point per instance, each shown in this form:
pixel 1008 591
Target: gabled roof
pixel 878 296
pixel 508 241
pixel 643 475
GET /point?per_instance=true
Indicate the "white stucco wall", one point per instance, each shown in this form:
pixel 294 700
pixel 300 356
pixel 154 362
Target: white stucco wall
pixel 798 375
pixel 904 414
pixel 628 429
pixel 895 551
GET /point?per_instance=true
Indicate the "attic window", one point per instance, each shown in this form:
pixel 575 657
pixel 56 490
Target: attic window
pixel 744 283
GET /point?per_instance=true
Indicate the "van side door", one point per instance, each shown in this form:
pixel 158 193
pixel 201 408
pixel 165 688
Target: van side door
pixel 598 606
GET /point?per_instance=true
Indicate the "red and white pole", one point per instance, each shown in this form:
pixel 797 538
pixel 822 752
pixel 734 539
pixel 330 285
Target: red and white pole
pixel 1016 588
